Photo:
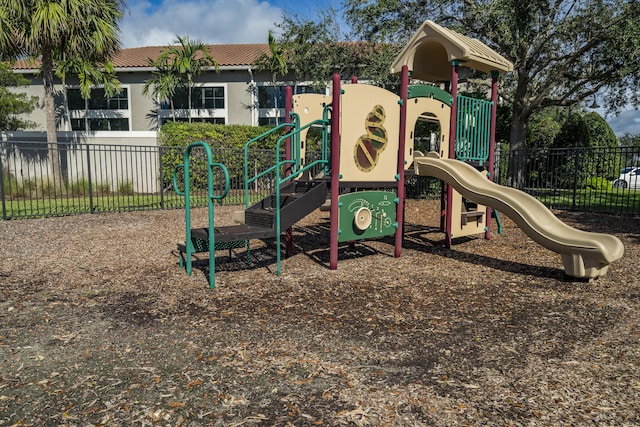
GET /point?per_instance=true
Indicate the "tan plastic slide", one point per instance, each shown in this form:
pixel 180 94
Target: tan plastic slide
pixel 584 254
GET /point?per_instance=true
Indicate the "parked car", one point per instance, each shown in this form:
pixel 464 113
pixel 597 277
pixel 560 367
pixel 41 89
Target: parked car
pixel 629 178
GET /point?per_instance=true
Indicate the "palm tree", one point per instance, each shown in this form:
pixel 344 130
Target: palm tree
pixel 274 63
pixel 52 29
pixel 90 74
pixel 187 58
pixel 163 84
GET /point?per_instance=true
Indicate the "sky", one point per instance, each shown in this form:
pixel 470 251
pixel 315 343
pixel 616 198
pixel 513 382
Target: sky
pixel 157 22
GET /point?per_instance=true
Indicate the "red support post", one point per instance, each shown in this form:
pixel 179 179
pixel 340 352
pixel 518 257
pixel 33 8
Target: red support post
pixel 288 107
pixel 335 172
pixel 354 81
pixel 492 143
pixel 452 149
pixel 404 90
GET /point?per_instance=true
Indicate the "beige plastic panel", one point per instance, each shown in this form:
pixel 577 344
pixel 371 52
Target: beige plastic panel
pixel 417 107
pixel 308 107
pixel 370 125
pixel 473 226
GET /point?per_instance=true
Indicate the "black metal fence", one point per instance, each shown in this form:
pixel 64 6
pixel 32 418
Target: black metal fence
pixel 584 179
pixel 113 178
pixel 108 178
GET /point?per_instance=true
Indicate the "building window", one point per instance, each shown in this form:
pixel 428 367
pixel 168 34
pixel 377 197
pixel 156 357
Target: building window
pixel 266 98
pixel 268 114
pixel 208 105
pixel 207 97
pixel 99 112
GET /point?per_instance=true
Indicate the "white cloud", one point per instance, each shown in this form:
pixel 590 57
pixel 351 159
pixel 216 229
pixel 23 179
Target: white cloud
pixel 156 23
pixel 627 122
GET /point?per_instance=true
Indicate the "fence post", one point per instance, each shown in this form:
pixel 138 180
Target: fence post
pixel 91 208
pixel 4 205
pixel 160 179
pixel 575 179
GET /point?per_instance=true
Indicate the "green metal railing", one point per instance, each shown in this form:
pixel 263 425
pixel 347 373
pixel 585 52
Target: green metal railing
pixel 189 247
pixel 285 170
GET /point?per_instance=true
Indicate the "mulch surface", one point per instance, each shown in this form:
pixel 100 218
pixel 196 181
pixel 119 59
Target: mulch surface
pixel 100 326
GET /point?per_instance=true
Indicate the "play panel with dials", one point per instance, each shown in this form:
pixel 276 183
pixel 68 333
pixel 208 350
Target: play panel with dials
pixel 366 214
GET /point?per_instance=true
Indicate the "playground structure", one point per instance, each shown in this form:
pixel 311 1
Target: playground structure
pixel 368 138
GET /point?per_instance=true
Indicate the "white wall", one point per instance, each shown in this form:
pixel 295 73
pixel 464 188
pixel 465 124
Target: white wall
pixel 112 158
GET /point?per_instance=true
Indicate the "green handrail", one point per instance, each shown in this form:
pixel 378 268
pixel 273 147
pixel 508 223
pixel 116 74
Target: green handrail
pixel 211 196
pixel 294 138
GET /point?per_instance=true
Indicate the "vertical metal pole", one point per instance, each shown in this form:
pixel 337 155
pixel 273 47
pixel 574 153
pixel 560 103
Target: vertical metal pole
pixel 404 89
pixel 576 165
pixel 160 178
pixel 452 149
pixel 335 172
pixel 89 180
pixel 354 81
pixel 288 106
pixel 288 155
pixel 492 144
pixel 2 195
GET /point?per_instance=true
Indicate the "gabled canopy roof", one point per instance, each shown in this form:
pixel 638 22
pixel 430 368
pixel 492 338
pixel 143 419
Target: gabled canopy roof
pixel 429 53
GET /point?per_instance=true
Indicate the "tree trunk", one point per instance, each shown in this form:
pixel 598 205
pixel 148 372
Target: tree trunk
pixel 275 99
pixel 518 145
pixel 189 86
pixel 520 114
pixel 52 131
pixel 86 116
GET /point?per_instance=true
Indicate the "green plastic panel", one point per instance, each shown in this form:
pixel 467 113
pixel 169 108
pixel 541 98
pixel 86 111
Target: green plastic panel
pixel 473 129
pixel 428 91
pixel 380 204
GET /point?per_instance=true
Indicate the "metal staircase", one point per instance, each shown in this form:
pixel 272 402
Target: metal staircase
pixel 293 198
pixel 297 200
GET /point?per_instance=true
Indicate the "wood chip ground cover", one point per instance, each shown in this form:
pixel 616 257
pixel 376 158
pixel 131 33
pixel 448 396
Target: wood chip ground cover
pixel 99 326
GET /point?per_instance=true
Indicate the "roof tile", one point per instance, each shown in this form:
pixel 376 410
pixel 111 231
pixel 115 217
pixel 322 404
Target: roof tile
pixel 227 55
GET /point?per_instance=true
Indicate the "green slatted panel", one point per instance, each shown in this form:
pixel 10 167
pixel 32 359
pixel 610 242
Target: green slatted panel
pixel 473 129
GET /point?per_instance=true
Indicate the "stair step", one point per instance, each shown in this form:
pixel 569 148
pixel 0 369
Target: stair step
pixel 259 218
pixel 471 215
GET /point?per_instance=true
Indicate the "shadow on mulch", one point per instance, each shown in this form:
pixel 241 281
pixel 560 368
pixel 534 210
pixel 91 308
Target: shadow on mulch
pixel 313 241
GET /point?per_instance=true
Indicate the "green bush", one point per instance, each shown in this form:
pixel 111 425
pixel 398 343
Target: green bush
pixel 10 183
pixel 598 183
pixel 180 134
pixel 176 136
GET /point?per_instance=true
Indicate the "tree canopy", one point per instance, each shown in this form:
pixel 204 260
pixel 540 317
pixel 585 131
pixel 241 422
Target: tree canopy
pixel 318 48
pixel 13 104
pixel 53 30
pixel 177 66
pixel 564 51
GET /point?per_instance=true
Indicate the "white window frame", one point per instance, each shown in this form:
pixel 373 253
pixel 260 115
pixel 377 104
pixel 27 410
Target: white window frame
pixel 270 113
pixel 164 114
pixel 103 114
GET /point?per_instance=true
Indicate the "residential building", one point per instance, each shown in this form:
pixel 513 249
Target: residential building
pixel 236 94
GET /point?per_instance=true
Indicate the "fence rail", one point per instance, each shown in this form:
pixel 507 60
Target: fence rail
pixel 583 179
pixel 115 178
